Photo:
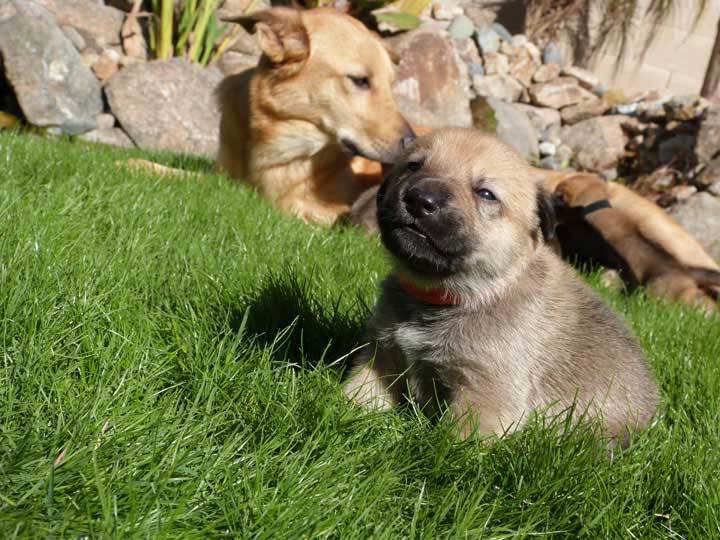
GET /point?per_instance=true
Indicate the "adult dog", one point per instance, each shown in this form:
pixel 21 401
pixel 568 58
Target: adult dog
pixel 479 315
pixel 320 96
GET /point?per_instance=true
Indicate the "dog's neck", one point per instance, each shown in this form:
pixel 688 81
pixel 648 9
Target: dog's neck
pixel 470 293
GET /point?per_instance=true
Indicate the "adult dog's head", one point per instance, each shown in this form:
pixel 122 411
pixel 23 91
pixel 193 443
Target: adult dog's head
pixel 461 210
pixel 327 70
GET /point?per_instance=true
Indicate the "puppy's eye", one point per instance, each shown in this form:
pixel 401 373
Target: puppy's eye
pixel 485 194
pixel 360 82
pixel 415 165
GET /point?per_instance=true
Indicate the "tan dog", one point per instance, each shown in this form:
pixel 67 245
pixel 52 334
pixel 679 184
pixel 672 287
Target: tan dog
pixel 321 95
pixel 479 315
pixel 620 243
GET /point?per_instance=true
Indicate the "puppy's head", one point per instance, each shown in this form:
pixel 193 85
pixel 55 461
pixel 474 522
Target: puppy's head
pixel 462 206
pixel 325 68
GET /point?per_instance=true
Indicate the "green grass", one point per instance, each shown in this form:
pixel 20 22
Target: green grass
pixel 170 367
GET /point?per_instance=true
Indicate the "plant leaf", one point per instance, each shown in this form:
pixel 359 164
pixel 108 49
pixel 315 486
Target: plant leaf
pixel 404 21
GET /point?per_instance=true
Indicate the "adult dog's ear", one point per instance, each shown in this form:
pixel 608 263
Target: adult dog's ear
pixel 547 220
pixel 280 34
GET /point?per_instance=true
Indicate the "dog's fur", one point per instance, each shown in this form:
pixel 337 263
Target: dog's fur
pixel 616 240
pixel 321 95
pixel 522 333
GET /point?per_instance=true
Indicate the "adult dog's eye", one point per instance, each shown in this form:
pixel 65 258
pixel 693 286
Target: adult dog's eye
pixel 360 82
pixel 485 194
pixel 415 165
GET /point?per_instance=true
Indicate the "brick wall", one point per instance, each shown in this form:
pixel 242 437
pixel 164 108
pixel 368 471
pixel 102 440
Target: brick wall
pixel 677 58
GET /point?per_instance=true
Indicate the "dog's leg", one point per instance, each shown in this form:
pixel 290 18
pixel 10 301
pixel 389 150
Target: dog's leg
pixel 375 382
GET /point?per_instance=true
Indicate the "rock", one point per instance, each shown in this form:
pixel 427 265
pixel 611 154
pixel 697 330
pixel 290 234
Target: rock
pixel 551 134
pixel 514 127
pixel 550 162
pixel 546 72
pixel 557 93
pixel 133 41
pixel 461 27
pixel 74 36
pixel 431 80
pixel 676 148
pixel 501 87
pixel 89 57
pixel 105 121
pixel 445 10
pixel 683 193
pixel 714 188
pixel 710 173
pixel 107 64
pixel 609 174
pixel 52 84
pixel 547 148
pixel 541 117
pixel 626 109
pixel 111 136
pixel 522 68
pixel 564 154
pixel 584 110
pixel 700 216
pixel 496 64
pixel 552 54
pixel 708 139
pixel 598 143
pixel 519 40
pixel 100 25
pixel 468 52
pixel 488 41
pixel 501 31
pixel 475 69
pixel 232 62
pixel 685 108
pixel 534 52
pixel 585 78
pixel 481 17
pixel 167 104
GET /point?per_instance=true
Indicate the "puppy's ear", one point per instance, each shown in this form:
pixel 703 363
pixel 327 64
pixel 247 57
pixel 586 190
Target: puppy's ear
pixel 280 33
pixel 547 221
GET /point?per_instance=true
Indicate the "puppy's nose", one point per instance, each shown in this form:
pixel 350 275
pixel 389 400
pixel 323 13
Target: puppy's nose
pixel 421 202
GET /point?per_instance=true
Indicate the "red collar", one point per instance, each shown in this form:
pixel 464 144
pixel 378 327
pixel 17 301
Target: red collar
pixel 438 297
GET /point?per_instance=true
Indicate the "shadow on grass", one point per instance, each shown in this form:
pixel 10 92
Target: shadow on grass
pixel 289 314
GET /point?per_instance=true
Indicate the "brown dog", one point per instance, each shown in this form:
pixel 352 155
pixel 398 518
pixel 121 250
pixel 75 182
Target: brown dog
pixel 616 240
pixel 321 95
pixel 479 315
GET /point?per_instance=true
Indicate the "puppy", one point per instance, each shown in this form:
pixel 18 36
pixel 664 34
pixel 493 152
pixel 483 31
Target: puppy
pixel 320 97
pixel 479 316
pixel 617 242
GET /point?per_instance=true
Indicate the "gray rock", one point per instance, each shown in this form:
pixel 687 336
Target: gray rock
pixel 598 143
pixel 541 117
pixel 547 148
pixel 52 84
pixel 710 173
pixel 550 162
pixel 519 40
pixel 167 104
pixel 75 37
pixel 501 31
pixel 100 25
pixel 609 174
pixel 564 154
pixel 111 136
pixel 700 216
pixel 708 140
pixel 627 109
pixel 431 83
pixel 501 87
pixel 475 69
pixel 461 27
pixel 514 127
pixel 488 40
pixel 552 54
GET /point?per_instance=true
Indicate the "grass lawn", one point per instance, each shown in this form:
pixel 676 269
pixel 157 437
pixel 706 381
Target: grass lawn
pixel 171 359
